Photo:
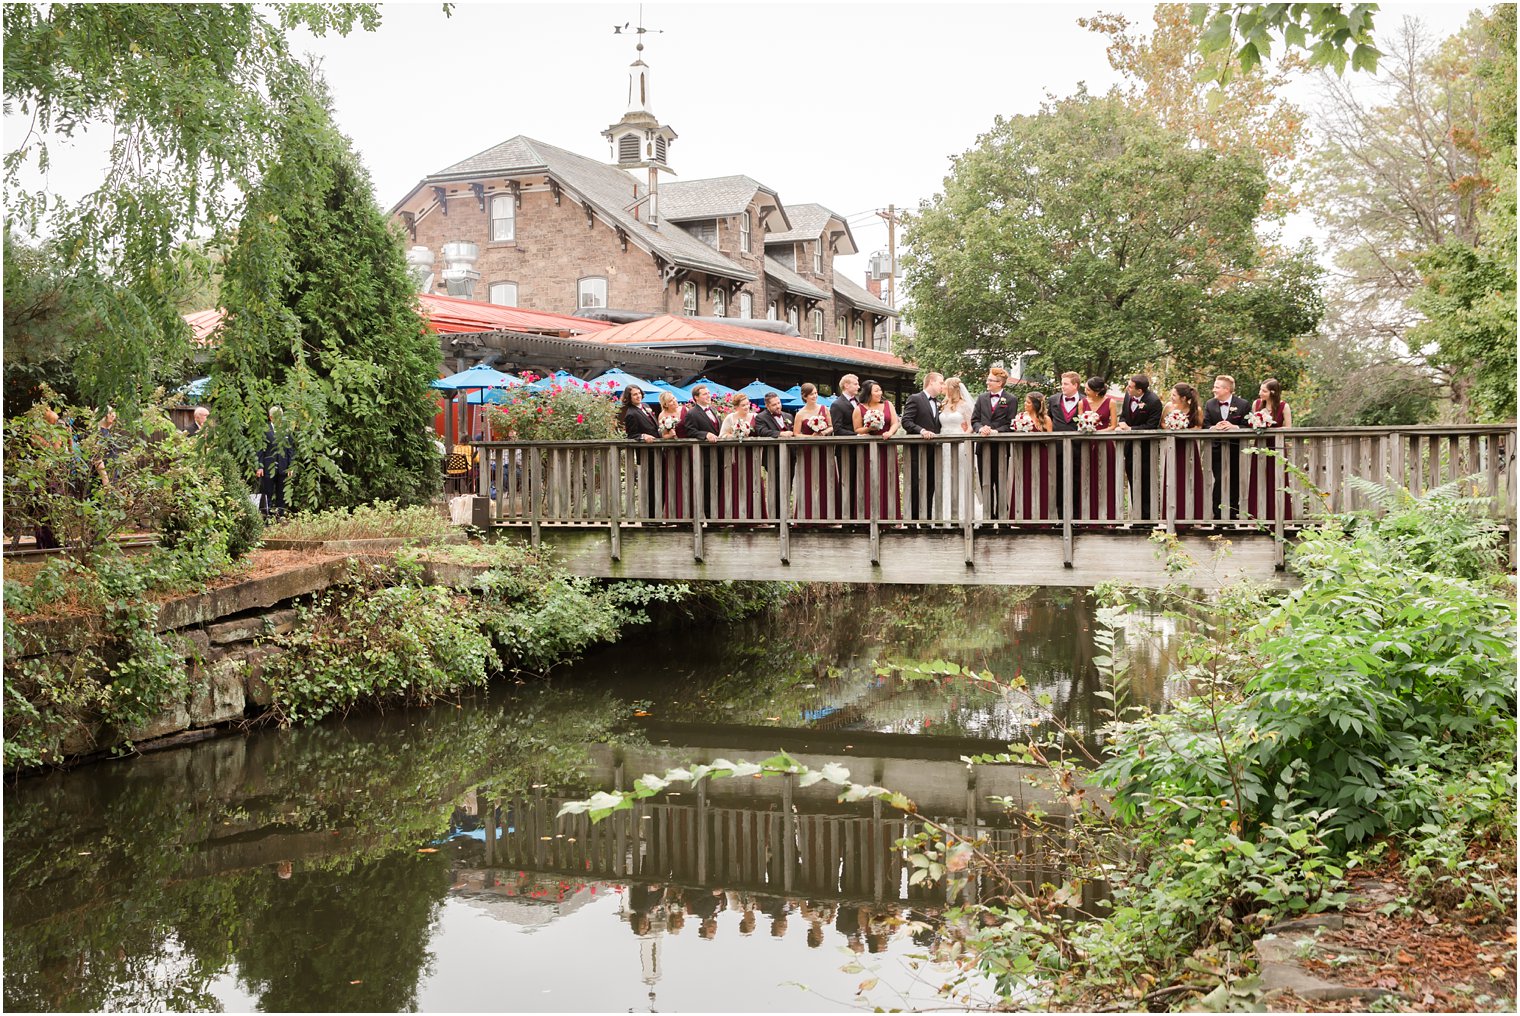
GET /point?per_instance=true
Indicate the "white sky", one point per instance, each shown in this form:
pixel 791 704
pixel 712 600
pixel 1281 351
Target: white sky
pixel 851 105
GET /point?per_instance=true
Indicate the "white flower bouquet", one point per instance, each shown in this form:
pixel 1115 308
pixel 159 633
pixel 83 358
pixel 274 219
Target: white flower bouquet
pixel 1259 419
pixel 1023 424
pixel 1175 419
pixel 1087 421
pixel 874 419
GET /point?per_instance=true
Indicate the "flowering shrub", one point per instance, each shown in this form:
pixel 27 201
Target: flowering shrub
pixel 573 411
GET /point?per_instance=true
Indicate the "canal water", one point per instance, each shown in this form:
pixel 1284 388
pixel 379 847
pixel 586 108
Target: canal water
pixel 414 860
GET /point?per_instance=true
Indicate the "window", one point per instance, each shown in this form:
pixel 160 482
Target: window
pixel 707 232
pixel 818 258
pixel 860 333
pixel 770 311
pixel 503 217
pixel 504 293
pixel 746 306
pixel 791 317
pixel 817 317
pixel 689 298
pixel 720 303
pixel 744 231
pixel 593 293
pixel 841 333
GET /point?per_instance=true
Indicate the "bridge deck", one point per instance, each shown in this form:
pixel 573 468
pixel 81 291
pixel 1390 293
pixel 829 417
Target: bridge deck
pixel 1010 509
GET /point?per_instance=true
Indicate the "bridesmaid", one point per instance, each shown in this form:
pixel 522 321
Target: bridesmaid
pixel 874 417
pixel 1187 467
pixel 741 491
pixel 1034 469
pixel 1269 403
pixel 814 483
pixel 1102 457
pixel 675 463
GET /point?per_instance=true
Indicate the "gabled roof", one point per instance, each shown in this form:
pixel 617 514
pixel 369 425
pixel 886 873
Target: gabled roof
pixel 809 221
pixel 454 315
pixel 203 325
pixel 607 189
pixel 718 197
pixel 861 297
pixel 792 282
pixel 669 331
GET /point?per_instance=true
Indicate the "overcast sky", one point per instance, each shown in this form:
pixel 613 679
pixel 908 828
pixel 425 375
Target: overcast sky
pixel 852 105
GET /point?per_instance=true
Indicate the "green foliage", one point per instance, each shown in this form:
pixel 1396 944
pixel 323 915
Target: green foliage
pixel 322 321
pixel 1092 234
pixel 1333 34
pixel 398 644
pixel 365 522
pixel 184 94
pixel 559 413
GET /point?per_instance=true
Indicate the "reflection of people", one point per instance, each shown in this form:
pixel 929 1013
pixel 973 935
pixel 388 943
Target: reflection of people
pixel 705 905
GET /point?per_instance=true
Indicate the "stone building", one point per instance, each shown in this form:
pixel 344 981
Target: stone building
pixel 528 224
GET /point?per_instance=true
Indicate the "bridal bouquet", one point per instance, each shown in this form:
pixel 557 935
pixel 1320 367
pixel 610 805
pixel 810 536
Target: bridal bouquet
pixel 668 425
pixel 1087 421
pixel 1175 419
pixel 742 428
pixel 1259 419
pixel 1023 424
pixel 818 423
pixel 875 420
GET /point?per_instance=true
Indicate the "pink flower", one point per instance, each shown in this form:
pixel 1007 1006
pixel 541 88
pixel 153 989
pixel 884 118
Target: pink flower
pixel 580 417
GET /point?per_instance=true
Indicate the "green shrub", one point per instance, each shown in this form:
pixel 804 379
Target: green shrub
pixel 365 522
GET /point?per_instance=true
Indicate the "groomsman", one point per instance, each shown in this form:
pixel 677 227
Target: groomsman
pixel 773 422
pixel 842 415
pixel 920 417
pixel 1064 410
pixel 1141 410
pixel 702 422
pixel 1226 411
pixel 993 414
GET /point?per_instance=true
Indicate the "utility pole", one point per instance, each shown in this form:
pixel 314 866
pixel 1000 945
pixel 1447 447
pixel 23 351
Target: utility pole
pixel 891 216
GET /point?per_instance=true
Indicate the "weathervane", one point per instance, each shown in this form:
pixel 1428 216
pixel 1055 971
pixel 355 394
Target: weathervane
pixel 640 31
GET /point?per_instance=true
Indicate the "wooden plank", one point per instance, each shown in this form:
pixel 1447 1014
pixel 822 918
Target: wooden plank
pixel 967 507
pixel 698 501
pixel 1177 485
pixel 1068 473
pixel 614 469
pixel 535 488
pixel 784 513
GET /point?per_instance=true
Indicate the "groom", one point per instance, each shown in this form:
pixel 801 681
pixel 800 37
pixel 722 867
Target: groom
pixel 993 414
pixel 1226 411
pixel 1141 410
pixel 920 417
pixel 1064 410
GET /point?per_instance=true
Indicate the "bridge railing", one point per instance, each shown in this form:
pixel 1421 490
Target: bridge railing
pixel 1165 479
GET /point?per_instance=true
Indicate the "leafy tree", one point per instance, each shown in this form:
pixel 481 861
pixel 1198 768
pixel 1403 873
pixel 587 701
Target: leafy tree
pixel 1246 114
pixel 1398 175
pixel 182 91
pixel 322 320
pixel 1333 34
pixel 1092 234
pixel 1468 297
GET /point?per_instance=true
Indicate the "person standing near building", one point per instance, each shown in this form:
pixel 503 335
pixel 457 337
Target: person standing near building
pixel 274 465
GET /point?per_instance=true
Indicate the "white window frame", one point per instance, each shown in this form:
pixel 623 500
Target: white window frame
pixel 860 334
pixel 770 311
pixel 818 257
pixel 719 302
pixel 503 227
pixel 596 286
pixel 746 305
pixel 842 328
pixel 689 299
pixel 500 285
pixel 817 317
pixel 744 230
pixel 792 318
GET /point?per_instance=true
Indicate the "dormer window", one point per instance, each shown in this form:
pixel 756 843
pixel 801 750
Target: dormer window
pixel 818 258
pixel 744 228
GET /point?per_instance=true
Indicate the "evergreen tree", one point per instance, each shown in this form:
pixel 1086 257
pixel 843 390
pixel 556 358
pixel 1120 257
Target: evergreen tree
pixel 322 321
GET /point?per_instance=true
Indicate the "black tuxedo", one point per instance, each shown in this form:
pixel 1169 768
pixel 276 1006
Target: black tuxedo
pixel 1226 453
pixel 998 414
pixel 1059 418
pixel 1064 421
pixel 766 425
pixel 920 415
pixel 697 422
pixel 1146 417
pixel 639 422
pixel 842 412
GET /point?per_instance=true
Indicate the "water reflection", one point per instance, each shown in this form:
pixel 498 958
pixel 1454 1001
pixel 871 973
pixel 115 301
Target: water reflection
pixel 415 860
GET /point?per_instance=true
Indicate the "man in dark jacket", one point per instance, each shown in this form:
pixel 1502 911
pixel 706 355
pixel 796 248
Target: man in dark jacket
pixel 1226 411
pixel 274 465
pixel 1140 410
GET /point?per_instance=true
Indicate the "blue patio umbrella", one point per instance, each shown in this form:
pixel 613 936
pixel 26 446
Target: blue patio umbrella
pixel 563 378
pixel 757 390
pixel 478 376
pixel 197 389
pixel 681 394
pixel 791 398
pixel 489 396
pixel 619 380
pixel 718 391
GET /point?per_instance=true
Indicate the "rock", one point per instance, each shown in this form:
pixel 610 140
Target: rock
pixel 172 718
pixel 1331 922
pixel 246 629
pixel 1277 966
pixel 256 690
pixel 221 697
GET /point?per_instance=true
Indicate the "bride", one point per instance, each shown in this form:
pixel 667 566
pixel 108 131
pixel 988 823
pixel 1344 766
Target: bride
pixel 954 420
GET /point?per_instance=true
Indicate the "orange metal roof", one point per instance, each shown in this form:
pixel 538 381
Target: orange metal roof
pixel 202 324
pixel 668 329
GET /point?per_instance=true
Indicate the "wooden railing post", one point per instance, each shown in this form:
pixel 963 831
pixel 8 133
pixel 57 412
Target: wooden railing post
pixel 535 482
pixel 614 484
pixel 784 496
pixel 967 507
pixel 1068 478
pixel 1168 480
pixel 698 500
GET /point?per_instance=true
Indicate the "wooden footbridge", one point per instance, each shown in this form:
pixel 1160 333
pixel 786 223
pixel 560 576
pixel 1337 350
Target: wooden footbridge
pixel 1012 509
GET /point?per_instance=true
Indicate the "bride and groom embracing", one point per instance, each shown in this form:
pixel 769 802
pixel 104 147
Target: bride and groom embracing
pixel 943 407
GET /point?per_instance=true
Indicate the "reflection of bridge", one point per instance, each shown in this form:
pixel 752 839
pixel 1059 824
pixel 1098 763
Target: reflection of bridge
pixel 769 835
pixel 758 509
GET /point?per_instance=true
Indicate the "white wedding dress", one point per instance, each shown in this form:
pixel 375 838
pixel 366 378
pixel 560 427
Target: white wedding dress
pixel 948 487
